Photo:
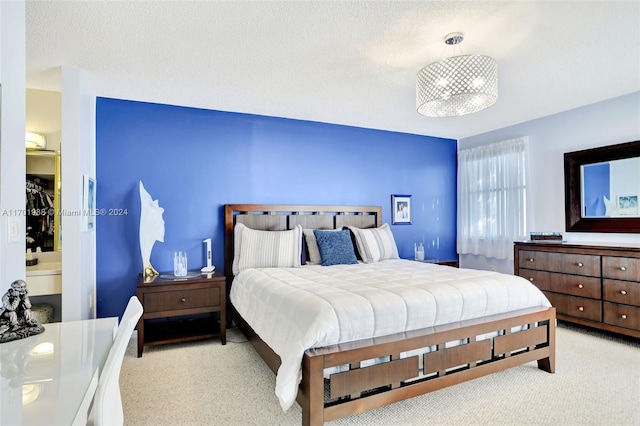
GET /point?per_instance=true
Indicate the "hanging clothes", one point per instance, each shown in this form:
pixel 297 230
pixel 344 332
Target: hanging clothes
pixel 40 215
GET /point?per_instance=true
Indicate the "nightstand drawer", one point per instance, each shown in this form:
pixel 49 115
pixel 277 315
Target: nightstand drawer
pixel 181 299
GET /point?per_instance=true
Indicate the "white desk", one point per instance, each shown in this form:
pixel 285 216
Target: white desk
pixel 50 378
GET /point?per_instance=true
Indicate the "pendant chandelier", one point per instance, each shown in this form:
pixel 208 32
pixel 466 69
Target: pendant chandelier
pixel 457 85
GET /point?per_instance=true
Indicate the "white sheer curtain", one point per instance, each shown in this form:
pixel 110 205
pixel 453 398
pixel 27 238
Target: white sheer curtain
pixel 492 198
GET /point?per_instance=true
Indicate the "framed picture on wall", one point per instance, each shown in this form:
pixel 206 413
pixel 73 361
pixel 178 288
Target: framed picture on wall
pixel 401 209
pixel 88 203
pixel 628 205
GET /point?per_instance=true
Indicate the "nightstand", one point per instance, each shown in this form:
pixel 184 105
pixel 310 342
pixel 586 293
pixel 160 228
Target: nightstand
pixel 179 310
pixel 453 263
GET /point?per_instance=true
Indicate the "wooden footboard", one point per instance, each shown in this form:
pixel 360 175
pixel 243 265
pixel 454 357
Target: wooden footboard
pixel 363 388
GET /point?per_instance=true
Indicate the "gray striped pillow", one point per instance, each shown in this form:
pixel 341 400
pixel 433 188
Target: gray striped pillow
pixel 266 249
pixel 375 244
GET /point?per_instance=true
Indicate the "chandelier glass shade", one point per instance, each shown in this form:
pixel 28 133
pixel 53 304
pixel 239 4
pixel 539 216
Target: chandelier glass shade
pixel 457 85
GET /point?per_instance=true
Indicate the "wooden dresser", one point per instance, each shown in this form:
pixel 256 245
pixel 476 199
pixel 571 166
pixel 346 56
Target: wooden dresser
pixel 596 286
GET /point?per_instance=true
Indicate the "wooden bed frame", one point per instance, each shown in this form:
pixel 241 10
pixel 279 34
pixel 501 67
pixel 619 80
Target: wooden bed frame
pixel 363 388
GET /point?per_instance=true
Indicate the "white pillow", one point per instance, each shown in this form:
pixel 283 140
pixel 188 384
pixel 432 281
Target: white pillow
pixel 266 249
pixel 375 244
pixel 312 246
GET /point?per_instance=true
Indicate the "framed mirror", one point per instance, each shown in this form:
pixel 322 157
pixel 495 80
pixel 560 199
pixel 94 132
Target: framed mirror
pixel 602 189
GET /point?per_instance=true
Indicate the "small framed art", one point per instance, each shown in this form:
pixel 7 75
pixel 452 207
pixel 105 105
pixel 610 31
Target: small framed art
pixel 628 205
pixel 88 203
pixel 401 209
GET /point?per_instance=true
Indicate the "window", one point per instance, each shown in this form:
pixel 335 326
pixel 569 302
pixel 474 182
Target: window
pixel 492 198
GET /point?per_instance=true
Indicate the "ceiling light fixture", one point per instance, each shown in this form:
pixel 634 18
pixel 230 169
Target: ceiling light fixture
pixel 35 141
pixel 30 392
pixel 457 85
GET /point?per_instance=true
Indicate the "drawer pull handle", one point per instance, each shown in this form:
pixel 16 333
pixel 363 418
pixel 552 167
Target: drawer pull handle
pixel 581 308
pixel 580 264
pixel 623 268
pixel 623 316
pixel 183 300
pixel 531 279
pixel 580 286
pixel 531 259
pixel 623 292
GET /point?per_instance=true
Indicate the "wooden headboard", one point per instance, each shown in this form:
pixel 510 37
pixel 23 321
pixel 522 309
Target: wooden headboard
pixel 279 217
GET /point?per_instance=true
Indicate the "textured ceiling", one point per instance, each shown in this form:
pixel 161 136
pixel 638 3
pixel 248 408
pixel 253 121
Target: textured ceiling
pixel 351 62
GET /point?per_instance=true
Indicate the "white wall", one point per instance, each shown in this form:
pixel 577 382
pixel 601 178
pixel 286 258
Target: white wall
pixel 609 122
pixel 12 149
pixel 44 115
pixel 78 130
pixel 78 158
pixel 625 177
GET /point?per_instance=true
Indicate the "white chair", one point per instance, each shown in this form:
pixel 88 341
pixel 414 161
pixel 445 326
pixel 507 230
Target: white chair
pixel 107 403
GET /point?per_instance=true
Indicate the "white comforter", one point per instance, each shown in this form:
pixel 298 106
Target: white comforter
pixel 294 309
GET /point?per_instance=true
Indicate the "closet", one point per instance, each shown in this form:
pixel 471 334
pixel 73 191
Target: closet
pixel 41 218
pixel 43 201
pixel 42 183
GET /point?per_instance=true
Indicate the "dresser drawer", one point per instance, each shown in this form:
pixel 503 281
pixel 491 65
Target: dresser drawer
pixel 181 299
pixel 568 263
pixel 538 278
pixel 622 315
pixel 533 260
pixel 625 292
pixel 621 268
pixel 576 306
pixel 576 285
pixel 577 264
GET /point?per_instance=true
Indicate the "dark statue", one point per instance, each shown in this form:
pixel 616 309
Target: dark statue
pixel 16 319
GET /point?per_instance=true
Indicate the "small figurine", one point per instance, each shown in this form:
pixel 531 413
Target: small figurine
pixel 16 319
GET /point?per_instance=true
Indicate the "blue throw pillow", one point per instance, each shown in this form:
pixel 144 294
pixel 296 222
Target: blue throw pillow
pixel 335 247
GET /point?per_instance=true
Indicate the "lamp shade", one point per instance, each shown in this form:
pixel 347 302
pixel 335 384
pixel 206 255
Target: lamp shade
pixel 457 85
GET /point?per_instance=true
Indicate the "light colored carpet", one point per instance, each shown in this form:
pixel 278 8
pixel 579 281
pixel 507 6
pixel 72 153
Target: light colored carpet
pixel 597 382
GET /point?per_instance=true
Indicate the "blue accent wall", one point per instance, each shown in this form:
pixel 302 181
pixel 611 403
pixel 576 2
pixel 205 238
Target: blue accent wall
pixel 596 186
pixel 193 161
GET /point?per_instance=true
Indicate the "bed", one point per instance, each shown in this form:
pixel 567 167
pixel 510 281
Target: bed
pixel 341 372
